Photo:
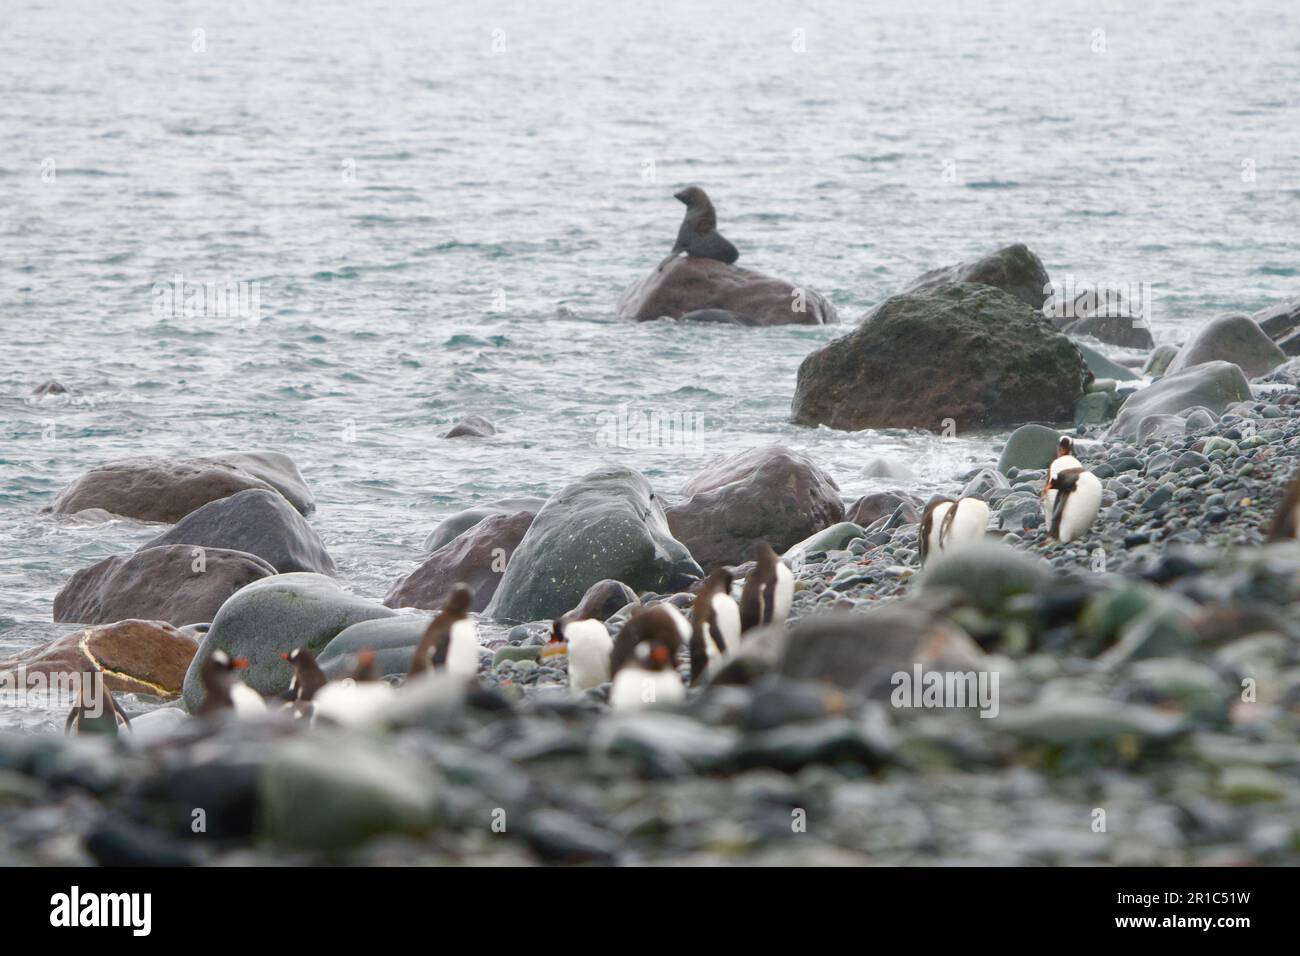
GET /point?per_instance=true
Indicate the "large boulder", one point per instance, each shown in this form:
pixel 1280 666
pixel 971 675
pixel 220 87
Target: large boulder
pixel 688 284
pixel 870 508
pixel 393 639
pixel 161 489
pixel 478 557
pixel 968 354
pixel 273 616
pixel 462 521
pixel 770 493
pixel 135 657
pixel 985 574
pixel 176 583
pixel 1230 338
pixel 258 522
pixel 1215 385
pixel 607 524
pixel 1013 269
pixel 861 653
pixel 1029 448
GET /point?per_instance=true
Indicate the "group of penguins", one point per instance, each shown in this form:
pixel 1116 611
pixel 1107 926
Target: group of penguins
pixel 640 664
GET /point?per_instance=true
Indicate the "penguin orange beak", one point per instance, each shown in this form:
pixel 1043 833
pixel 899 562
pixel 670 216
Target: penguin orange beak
pixel 659 655
pixel 239 663
pixel 284 656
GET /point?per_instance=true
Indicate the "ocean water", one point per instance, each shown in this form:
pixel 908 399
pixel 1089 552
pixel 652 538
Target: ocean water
pixel 439 204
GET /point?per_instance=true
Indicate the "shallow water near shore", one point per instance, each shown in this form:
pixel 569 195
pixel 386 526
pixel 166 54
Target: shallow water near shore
pixel 417 211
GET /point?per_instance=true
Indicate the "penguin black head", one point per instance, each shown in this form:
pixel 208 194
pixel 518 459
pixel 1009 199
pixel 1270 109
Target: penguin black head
pixel 459 600
pixel 1065 446
pixel 222 661
pixel 719 579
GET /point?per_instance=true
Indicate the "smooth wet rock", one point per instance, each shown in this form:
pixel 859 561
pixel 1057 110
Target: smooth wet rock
pixel 1029 447
pixel 393 639
pixel 180 584
pixel 1214 385
pixel 135 657
pixel 274 616
pixel 1279 321
pixel 607 524
pixel 258 522
pixel 477 557
pixel 1102 367
pixel 603 600
pixel 983 483
pixel 1158 361
pixel 1093 409
pixel 985 574
pixel 770 493
pixel 907 366
pixel 860 653
pixel 50 387
pixel 1230 338
pixel 162 489
pixel 472 426
pixel 834 538
pixel 460 522
pixel 689 284
pixel 1013 269
pixel 869 508
pixel 1126 331
pixel 1154 428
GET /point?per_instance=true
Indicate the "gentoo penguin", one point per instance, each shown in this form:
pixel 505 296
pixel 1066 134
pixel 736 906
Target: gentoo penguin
pixel 1071 499
pixel 698 235
pixel 450 642
pixel 768 590
pixel 95 712
pixel 1286 522
pixel 946 524
pixel 307 679
pixel 589 648
pixel 222 688
pixel 645 670
pixel 367 668
pixel 715 622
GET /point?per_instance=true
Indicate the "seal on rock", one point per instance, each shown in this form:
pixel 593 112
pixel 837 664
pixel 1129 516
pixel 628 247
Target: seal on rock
pixel 698 235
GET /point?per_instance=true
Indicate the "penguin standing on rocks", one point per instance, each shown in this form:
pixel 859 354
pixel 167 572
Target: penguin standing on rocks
pixel 1071 500
pixel 768 591
pixel 307 679
pixel 698 236
pixel 645 659
pixel 450 642
pixel 223 690
pixel 715 622
pixel 95 712
pixel 589 648
pixel 947 524
pixel 1286 523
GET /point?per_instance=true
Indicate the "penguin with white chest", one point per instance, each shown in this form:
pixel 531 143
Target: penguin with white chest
pixel 307 679
pixel 715 622
pixel 589 648
pixel 224 691
pixel 450 642
pixel 768 591
pixel 1071 500
pixel 644 664
pixel 947 524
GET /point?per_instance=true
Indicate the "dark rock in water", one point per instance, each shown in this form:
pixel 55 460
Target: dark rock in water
pixel 50 387
pixel 984 483
pixel 1013 269
pixel 178 583
pixel 478 558
pixel 607 524
pixel 869 508
pixel 887 468
pixel 1280 321
pixel 393 639
pixel 1029 447
pixel 1214 385
pixel 1126 331
pixel 860 653
pixel 986 575
pixel 472 426
pixel 1230 338
pixel 1158 361
pixel 273 616
pixel 135 657
pixel 603 600
pixel 908 366
pixel 160 489
pixel 462 521
pixel 770 494
pixel 719 317
pixel 691 285
pixel 259 522
pixel 1102 367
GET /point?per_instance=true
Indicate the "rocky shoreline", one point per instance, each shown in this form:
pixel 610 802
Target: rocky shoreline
pixel 1147 706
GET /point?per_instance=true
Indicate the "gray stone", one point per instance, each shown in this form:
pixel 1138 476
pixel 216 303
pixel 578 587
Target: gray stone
pixel 1158 361
pixel 477 557
pixel 1029 447
pixel 1214 385
pixel 1013 269
pixel 393 639
pixel 986 575
pixel 1126 331
pixel 472 426
pixel 1230 338
pixel 1102 367
pixel 460 522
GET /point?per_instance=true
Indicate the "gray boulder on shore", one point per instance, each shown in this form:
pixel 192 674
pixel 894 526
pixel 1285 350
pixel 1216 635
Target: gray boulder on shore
pixel 1230 338
pixel 1014 269
pixel 1215 385
pixel 477 557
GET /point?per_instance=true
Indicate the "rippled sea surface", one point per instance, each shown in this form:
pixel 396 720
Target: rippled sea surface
pixel 440 204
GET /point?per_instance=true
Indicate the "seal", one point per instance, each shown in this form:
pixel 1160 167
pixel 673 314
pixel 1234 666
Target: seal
pixel 698 235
